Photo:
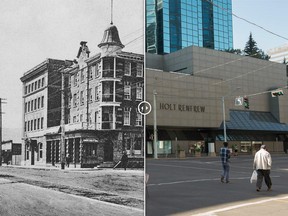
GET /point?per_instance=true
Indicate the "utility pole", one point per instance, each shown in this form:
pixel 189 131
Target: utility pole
pixel 62 150
pixel 62 119
pixel 155 125
pixel 1 101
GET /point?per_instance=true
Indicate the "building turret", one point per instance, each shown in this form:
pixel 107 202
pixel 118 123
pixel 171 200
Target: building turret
pixel 83 54
pixel 111 44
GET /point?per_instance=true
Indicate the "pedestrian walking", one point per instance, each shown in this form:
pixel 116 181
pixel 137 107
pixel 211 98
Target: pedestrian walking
pixel 262 164
pixel 124 160
pixel 67 160
pixel 225 156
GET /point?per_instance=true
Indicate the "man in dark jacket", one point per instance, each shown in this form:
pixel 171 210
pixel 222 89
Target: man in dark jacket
pixel 124 160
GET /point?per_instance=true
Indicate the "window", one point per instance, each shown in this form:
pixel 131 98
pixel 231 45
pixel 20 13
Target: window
pixel 127 70
pixel 81 118
pixel 42 122
pixel 32 105
pixel 42 82
pixel 26 89
pixel 97 70
pixel 28 126
pixel 127 92
pixel 25 126
pixel 90 94
pixel 26 107
pixel 82 97
pixel 74 119
pixel 75 79
pixel 40 150
pixel 139 93
pixel 126 116
pixel 97 93
pixel 35 124
pixel 39 83
pixel 32 87
pixel 39 99
pixel 38 123
pixel 29 88
pixel 42 101
pixel 75 100
pixel 139 70
pixel 90 74
pixel 35 104
pixel 138 119
pixel 82 75
pixel 31 125
pixel 90 149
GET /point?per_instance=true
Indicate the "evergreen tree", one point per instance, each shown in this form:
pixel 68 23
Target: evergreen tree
pixel 252 50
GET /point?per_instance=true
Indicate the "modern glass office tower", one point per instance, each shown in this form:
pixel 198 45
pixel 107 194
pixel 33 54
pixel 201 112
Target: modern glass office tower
pixel 172 25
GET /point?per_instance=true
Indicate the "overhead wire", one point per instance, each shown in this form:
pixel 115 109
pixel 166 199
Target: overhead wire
pixel 246 20
pixel 241 58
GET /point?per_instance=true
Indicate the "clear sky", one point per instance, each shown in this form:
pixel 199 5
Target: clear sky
pixel 271 15
pixel 34 30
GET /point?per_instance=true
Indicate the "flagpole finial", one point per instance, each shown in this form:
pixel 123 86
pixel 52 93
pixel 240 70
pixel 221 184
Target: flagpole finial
pixel 111 12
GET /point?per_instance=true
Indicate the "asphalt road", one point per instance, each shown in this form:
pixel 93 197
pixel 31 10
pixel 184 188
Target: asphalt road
pixel 20 199
pixel 192 187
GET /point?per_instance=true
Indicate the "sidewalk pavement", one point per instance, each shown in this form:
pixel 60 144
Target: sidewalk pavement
pixel 57 167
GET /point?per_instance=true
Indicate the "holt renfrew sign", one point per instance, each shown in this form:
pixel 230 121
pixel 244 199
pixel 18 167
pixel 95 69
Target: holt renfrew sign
pixel 181 107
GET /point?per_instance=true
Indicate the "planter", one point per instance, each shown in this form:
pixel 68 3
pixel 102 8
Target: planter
pixel 197 154
pixel 182 154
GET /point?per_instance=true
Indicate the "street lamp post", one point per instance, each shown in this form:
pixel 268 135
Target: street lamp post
pixel 223 110
pixel 224 120
pixel 155 125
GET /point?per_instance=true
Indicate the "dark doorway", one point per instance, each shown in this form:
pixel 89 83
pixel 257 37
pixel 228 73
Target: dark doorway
pixel 33 146
pixel 108 151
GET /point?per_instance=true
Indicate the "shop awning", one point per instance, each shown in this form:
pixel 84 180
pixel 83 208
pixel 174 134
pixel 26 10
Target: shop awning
pixel 254 121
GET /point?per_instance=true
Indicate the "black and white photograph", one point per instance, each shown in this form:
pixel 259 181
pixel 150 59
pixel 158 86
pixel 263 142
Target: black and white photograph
pixel 71 122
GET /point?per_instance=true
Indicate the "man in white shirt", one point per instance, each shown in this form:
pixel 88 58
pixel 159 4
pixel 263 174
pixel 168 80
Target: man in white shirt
pixel 262 163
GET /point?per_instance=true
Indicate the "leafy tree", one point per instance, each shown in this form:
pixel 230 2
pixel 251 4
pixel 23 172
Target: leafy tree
pixel 235 51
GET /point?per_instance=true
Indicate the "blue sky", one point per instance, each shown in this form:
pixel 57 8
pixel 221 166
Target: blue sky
pixel 269 14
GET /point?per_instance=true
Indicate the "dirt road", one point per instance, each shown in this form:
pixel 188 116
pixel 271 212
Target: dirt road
pixel 113 186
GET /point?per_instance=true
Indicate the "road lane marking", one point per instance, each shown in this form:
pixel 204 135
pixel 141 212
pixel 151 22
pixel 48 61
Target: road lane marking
pixel 200 180
pixel 213 212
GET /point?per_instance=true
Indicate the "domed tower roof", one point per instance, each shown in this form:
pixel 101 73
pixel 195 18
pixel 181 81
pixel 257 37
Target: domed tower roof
pixel 111 37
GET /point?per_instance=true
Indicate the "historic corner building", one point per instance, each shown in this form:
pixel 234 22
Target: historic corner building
pixel 97 98
pixel 193 86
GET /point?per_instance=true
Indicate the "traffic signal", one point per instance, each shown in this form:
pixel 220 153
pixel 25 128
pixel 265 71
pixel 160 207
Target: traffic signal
pixel 277 93
pixel 246 102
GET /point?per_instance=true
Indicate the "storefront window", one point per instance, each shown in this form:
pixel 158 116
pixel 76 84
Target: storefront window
pixel 245 146
pixel 163 147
